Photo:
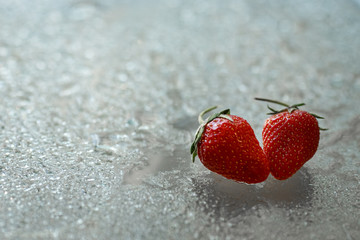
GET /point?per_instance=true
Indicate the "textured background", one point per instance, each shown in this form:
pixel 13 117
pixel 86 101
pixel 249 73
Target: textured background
pixel 99 101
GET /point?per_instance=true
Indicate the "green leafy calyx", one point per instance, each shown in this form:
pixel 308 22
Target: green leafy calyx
pixel 289 108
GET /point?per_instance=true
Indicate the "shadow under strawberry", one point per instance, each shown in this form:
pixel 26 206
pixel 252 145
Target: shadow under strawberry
pixel 227 199
pixel 154 161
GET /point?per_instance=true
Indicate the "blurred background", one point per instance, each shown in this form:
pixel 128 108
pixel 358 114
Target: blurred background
pixel 99 104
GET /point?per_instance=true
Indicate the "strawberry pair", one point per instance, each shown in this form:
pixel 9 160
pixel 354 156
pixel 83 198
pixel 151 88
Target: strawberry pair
pixel 226 144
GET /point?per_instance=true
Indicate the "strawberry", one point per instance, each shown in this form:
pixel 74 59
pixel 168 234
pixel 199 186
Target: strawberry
pixel 290 138
pixel 226 144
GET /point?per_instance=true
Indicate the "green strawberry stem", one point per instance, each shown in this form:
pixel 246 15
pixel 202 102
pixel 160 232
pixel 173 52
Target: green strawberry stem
pixel 272 101
pixel 200 117
pixel 288 107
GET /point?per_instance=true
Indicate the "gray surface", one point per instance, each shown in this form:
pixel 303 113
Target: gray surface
pixel 99 102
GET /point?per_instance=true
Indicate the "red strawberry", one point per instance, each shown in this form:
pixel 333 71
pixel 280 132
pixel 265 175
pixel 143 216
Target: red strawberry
pixel 226 144
pixel 290 139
